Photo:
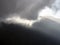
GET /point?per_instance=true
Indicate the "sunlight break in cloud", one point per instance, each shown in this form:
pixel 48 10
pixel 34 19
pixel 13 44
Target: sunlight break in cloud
pixel 19 20
pixel 53 12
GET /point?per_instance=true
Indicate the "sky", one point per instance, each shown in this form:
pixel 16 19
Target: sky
pixel 25 8
pixel 29 11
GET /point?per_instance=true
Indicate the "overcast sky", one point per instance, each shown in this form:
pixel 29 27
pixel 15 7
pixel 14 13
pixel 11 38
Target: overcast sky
pixel 25 8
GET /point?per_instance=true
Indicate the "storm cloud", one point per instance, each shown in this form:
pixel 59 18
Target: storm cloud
pixel 25 8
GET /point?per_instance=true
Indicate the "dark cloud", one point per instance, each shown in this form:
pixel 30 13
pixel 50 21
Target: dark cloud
pixel 7 6
pixel 17 6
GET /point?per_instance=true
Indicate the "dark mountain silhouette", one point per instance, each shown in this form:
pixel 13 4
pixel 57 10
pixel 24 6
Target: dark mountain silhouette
pixel 13 34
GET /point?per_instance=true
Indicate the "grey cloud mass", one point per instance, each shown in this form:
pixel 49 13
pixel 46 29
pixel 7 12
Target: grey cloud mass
pixel 25 8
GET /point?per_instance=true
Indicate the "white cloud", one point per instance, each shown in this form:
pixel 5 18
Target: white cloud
pixel 19 20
